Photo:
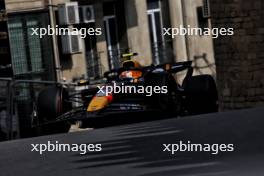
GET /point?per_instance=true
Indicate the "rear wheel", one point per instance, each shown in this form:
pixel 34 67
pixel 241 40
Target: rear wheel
pixel 168 102
pixel 201 95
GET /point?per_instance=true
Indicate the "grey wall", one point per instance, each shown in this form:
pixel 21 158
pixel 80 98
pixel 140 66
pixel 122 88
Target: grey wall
pixel 240 58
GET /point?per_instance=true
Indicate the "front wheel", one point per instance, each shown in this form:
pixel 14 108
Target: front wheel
pixel 51 104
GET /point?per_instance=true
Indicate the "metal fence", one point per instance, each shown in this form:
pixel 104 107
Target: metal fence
pixel 162 52
pixel 115 57
pixel 95 69
pixel 4 109
pixel 18 99
pixel 94 66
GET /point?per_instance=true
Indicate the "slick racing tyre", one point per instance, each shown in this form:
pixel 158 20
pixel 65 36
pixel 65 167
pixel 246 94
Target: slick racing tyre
pixel 169 102
pixel 201 95
pixel 51 104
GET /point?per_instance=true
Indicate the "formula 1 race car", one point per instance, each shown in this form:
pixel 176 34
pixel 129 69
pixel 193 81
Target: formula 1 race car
pixel 128 93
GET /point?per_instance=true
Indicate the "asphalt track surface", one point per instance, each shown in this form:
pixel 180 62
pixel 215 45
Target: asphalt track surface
pixel 136 150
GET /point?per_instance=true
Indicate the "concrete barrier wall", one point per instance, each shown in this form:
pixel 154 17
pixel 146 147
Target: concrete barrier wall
pixel 239 58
